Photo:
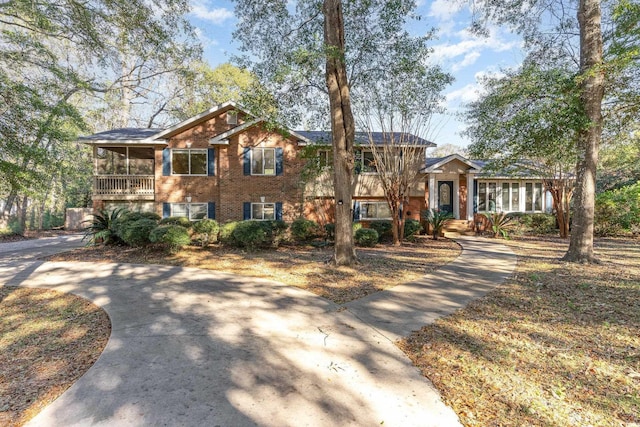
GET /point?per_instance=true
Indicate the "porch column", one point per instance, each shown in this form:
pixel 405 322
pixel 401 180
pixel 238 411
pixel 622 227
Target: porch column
pixel 432 191
pixel 470 195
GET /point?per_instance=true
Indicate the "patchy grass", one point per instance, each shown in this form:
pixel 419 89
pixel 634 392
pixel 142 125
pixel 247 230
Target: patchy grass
pixel 48 339
pixel 557 345
pixel 303 266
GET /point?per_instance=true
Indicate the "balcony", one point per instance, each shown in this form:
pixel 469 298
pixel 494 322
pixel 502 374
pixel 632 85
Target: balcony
pixel 123 187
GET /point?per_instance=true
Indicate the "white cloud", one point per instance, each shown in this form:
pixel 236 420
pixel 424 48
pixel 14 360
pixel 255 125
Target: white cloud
pixel 469 59
pixel 445 9
pixel 464 95
pixel 206 41
pixel 200 9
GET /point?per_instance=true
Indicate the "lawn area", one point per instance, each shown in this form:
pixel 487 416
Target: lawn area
pixel 306 267
pixel 48 339
pixel 557 345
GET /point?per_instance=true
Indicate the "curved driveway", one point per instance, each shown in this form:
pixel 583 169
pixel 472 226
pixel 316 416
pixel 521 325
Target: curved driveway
pixel 195 347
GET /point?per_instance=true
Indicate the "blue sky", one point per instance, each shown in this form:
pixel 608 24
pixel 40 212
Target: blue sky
pixel 465 56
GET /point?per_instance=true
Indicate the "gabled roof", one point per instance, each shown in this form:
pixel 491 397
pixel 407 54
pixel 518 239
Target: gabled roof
pixel 434 163
pixel 362 138
pixel 197 119
pixel 124 135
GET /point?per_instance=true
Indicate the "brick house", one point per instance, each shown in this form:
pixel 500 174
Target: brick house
pixel 224 164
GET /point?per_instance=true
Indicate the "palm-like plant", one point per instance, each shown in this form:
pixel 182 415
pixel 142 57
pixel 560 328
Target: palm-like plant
pixel 101 227
pixel 436 219
pixel 500 223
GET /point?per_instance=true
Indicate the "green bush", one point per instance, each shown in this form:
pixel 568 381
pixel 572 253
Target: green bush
pixel 177 220
pixel 250 234
pixel 538 223
pixel 356 226
pixel 383 228
pixel 436 219
pixel 411 227
pixel 207 230
pixel 275 231
pixel 136 233
pixel 618 211
pixel 304 229
pixel 52 220
pixel 102 227
pixel 330 230
pixel 226 233
pixel 173 237
pixel 367 237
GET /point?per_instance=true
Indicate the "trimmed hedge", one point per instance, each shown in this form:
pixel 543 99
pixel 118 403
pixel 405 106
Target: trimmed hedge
pixel 383 228
pixel 537 223
pixel 411 227
pixel 226 233
pixel 207 229
pixel 173 237
pixel 250 234
pixel 136 233
pixel 177 220
pixel 304 229
pixel 367 237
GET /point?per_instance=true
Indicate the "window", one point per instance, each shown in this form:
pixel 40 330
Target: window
pixel 533 196
pixel 124 160
pixel 325 158
pixel 263 211
pixel 498 197
pixel 263 161
pixel 193 211
pixel 189 162
pixel 366 161
pixel 374 210
pixel 232 117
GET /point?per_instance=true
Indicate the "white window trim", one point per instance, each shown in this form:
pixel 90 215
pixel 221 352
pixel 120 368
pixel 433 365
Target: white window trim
pixel 206 205
pixel 522 193
pixel 190 150
pixel 275 161
pixel 360 158
pixel 263 204
pixel 232 117
pixel 376 202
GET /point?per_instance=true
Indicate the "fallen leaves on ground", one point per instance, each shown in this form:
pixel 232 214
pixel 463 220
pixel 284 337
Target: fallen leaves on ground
pixel 556 345
pixel 48 339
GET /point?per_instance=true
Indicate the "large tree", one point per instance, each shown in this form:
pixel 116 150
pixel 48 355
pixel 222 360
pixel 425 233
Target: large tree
pixel 573 32
pixel 296 53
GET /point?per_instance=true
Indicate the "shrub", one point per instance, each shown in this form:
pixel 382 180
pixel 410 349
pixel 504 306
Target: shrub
pixel 436 220
pixel 538 223
pixel 411 227
pixel 102 228
pixel 207 229
pixel 173 237
pixel 226 232
pixel 356 226
pixel 367 237
pixel 136 233
pixel 177 220
pixel 618 211
pixel 383 228
pixel 500 223
pixel 275 231
pixel 250 234
pixel 304 229
pixel 330 230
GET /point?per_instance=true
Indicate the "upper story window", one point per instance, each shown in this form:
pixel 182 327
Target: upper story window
pixel 232 117
pixel 189 162
pixel 124 161
pixel 365 161
pixel 263 161
pixel 325 158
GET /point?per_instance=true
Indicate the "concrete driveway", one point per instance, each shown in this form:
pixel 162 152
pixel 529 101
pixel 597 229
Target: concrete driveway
pixel 193 347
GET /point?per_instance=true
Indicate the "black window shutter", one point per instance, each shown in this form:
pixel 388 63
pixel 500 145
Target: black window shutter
pixel 211 210
pixel 211 161
pixel 246 210
pixel 246 158
pixel 166 210
pixel 356 211
pixel 279 161
pixel 475 196
pixel 166 162
pixel 279 211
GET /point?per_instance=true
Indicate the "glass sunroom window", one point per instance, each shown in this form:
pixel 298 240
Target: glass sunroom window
pixel 124 160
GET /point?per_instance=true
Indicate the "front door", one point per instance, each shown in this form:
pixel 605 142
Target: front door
pixel 445 196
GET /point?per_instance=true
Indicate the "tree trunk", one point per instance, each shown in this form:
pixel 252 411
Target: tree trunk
pixel 343 131
pixel 592 92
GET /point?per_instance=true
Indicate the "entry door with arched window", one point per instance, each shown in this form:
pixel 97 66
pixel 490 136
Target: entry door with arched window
pixel 445 196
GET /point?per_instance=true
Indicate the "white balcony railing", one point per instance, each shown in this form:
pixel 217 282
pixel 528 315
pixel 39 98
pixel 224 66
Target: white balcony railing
pixel 125 186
